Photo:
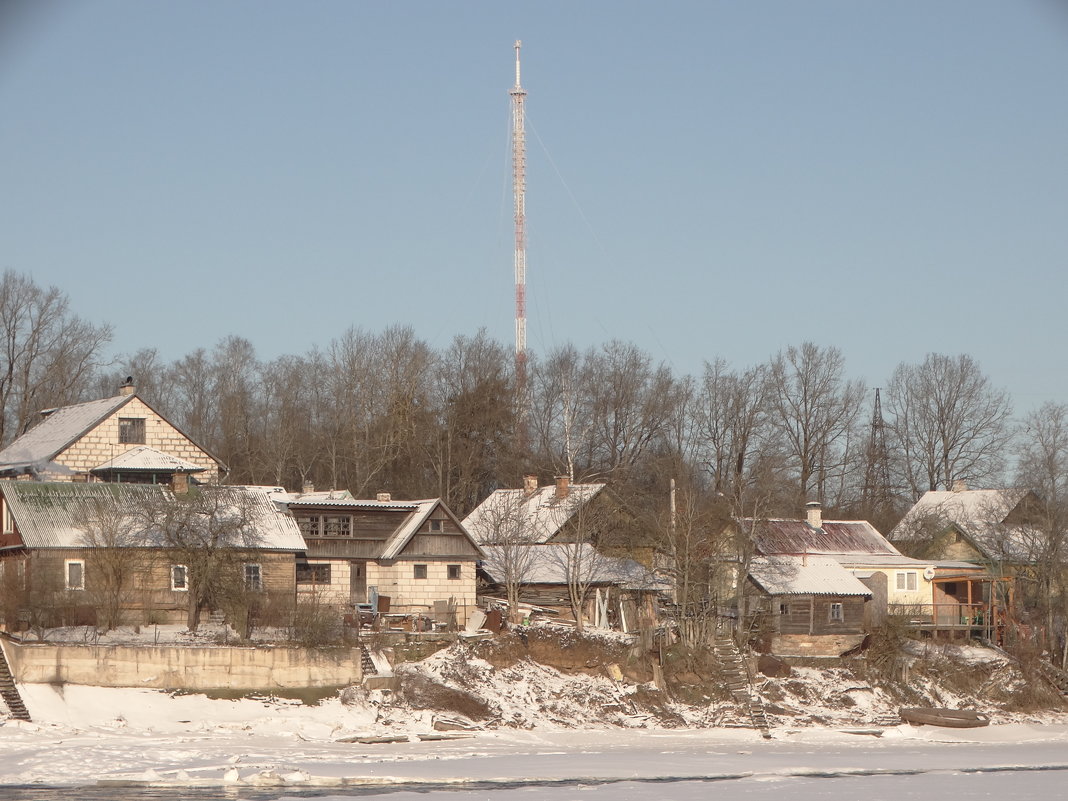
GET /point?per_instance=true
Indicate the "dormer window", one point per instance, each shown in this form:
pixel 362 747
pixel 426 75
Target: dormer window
pixel 131 431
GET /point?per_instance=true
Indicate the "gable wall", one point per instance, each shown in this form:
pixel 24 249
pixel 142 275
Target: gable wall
pixel 102 443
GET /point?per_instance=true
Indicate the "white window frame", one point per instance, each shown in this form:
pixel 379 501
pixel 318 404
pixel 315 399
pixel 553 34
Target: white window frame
pixel 66 574
pixel 836 613
pixel 253 576
pixel 907 581
pixel 9 520
pixel 185 578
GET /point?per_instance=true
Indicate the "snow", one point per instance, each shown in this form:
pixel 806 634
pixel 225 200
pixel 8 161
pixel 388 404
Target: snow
pixel 552 734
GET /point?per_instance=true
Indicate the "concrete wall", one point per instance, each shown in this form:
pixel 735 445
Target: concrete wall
pixel 188 668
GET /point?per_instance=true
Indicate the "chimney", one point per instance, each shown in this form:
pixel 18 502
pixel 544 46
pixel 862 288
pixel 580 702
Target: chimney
pixel 180 483
pixel 960 486
pixel 814 514
pixel 127 387
pixel 383 497
pixel 562 486
pixel 530 484
pixel 307 487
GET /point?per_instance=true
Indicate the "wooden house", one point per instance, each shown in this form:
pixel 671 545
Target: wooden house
pixel 119 439
pixel 63 544
pixel 805 605
pixel 401 557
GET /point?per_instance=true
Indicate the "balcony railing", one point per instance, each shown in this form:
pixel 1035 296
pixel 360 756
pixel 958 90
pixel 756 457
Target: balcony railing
pixel 945 615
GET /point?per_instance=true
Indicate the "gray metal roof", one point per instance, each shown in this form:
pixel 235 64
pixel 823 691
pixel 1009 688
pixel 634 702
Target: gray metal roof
pixel 551 563
pixel 810 575
pixel 56 514
pixel 57 431
pixel 779 536
pixel 144 458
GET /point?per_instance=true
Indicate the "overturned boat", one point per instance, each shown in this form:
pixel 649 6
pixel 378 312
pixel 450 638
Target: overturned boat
pixel 939 716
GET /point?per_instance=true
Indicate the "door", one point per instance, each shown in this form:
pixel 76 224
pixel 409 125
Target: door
pixel 357 582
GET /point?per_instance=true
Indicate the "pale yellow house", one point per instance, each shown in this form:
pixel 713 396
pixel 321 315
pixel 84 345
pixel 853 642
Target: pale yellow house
pixel 121 439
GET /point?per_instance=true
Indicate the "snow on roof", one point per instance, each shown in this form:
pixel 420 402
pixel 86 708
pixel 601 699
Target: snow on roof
pixel 963 507
pixel 541 513
pixel 809 575
pixel 778 536
pixel 145 458
pixel 58 430
pixel 55 515
pixel 549 564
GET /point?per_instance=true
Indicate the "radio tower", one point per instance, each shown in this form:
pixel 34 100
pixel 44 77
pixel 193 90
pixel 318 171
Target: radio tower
pixel 519 188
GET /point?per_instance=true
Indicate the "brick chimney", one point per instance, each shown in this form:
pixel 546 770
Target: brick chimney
pixel 383 497
pixel 814 514
pixel 960 485
pixel 530 485
pixel 307 488
pixel 180 483
pixel 127 387
pixel 563 486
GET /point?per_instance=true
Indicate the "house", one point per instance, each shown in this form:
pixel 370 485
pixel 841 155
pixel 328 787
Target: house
pixel 121 439
pixel 997 528
pixel 401 557
pixel 65 545
pixel 551 539
pixel 936 594
pixel 619 593
pixel 805 605
pixel 559 512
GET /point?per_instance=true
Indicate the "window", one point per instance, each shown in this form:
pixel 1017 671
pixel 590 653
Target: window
pixel 907 580
pixel 253 577
pixel 132 430
pixel 420 572
pixel 75 574
pixel 179 578
pixel 784 609
pixel 837 614
pixel 312 574
pixel 453 572
pixel 437 526
pixel 9 521
pixel 325 525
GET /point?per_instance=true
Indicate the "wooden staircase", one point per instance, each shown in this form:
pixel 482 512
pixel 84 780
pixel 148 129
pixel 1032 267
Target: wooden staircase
pixel 735 671
pixel 1055 676
pixel 9 692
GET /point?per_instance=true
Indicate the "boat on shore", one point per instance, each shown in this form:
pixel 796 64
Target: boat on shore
pixel 940 716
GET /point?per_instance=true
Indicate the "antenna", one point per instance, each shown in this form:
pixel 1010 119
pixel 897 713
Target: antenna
pixel 519 189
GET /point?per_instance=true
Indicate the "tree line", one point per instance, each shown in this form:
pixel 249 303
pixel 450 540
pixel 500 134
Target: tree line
pixel 385 411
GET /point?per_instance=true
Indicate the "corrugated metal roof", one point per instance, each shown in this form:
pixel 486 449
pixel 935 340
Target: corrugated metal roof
pixel 540 513
pixel 62 427
pixel 55 515
pixel 143 457
pixel 548 564
pixel 811 575
pixel 777 536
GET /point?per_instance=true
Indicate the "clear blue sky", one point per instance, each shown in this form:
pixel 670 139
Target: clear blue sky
pixel 705 178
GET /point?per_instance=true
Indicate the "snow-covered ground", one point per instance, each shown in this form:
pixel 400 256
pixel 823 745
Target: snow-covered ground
pixel 88 736
pixel 551 735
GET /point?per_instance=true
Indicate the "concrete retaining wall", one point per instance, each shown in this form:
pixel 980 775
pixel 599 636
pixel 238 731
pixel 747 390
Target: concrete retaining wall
pixel 186 668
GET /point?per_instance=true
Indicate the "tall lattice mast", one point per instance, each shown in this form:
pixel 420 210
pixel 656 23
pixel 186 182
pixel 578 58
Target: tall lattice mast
pixel 519 186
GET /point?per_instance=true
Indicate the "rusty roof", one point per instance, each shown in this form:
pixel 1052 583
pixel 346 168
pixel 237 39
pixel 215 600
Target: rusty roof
pixel 778 536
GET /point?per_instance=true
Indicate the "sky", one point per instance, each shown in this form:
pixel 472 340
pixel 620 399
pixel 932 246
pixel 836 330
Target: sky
pixel 705 179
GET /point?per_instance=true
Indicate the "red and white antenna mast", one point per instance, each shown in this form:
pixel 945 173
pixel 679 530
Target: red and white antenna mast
pixel 519 188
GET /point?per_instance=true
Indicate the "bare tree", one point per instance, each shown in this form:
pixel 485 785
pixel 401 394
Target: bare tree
pixel 947 423
pixel 511 544
pixel 114 536
pixel 210 532
pixel 815 408
pixel 578 558
pixel 1043 466
pixel 49 354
